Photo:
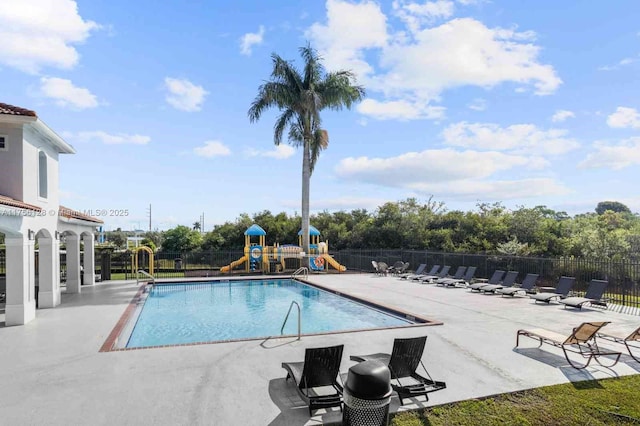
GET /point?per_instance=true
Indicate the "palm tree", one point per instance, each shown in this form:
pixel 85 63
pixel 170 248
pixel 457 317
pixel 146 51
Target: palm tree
pixel 300 96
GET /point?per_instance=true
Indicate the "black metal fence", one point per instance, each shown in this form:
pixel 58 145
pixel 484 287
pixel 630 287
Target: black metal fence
pixel 623 276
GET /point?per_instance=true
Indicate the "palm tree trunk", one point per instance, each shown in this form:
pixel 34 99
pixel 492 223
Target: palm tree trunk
pixel 306 178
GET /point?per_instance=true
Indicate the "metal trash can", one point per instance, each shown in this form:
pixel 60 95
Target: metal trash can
pixel 367 394
pixel 177 264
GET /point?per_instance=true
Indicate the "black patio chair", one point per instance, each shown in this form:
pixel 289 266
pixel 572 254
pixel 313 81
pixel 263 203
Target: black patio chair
pixel 316 378
pixel 456 276
pixel 403 363
pixel 463 282
pixel 527 286
pixel 508 281
pixel 565 284
pixel 594 294
pixel 410 276
pixel 433 271
pixel 496 278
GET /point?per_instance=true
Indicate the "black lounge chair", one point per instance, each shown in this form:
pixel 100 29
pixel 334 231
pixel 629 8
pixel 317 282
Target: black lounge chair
pixel 594 294
pixel 433 271
pixel 581 341
pixel 508 281
pixel 432 278
pixel 631 341
pixel 456 276
pixel 316 378
pixel 416 273
pixel 464 281
pixel 496 278
pixel 527 286
pixel 564 287
pixel 403 363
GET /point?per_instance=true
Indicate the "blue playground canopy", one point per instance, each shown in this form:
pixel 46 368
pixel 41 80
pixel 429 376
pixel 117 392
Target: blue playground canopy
pixel 312 231
pixel 255 230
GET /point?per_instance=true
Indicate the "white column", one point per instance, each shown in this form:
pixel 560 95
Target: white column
pixel 73 264
pixel 89 263
pixel 49 270
pixel 21 302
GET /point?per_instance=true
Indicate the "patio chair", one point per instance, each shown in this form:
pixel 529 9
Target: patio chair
pixel 527 286
pixel 565 284
pixel 581 341
pixel 456 276
pixel 464 281
pixel 594 294
pixel 396 267
pixel 417 272
pixel 383 268
pixel 403 363
pixel 631 341
pixel 508 281
pixel 433 271
pixel 316 378
pixel 403 268
pixel 375 266
pixel 496 278
pixel 433 278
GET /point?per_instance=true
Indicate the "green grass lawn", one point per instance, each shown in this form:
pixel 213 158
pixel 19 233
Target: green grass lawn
pixel 597 402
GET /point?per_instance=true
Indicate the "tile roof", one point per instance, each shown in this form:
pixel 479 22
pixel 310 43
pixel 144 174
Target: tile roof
pixel 6 201
pixel 14 110
pixel 74 214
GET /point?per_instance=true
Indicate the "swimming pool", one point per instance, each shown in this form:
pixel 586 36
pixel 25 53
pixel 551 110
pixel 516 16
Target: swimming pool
pixel 185 313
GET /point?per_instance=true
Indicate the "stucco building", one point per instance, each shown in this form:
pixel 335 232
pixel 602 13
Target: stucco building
pixel 31 215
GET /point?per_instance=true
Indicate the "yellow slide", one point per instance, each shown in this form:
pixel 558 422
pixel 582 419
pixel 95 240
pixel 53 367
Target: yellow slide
pixel 331 261
pixel 233 264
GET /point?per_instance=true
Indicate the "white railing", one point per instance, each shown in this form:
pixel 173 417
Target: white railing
pixel 287 317
pixel 145 273
pixel 303 270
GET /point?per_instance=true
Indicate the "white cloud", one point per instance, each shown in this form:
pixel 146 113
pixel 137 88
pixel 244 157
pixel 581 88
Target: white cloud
pixel 478 104
pixel 249 40
pixel 39 33
pixel 212 149
pixel 66 94
pixel 399 110
pixel 613 156
pixel 461 175
pixel 279 152
pixel 350 30
pixel 108 138
pixel 518 138
pixel 417 68
pixel 415 14
pixel 618 65
pixel 184 95
pixel 561 115
pixel 435 165
pixel 624 117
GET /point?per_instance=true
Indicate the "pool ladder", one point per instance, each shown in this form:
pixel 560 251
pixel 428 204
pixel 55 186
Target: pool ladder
pixel 293 302
pixel 303 270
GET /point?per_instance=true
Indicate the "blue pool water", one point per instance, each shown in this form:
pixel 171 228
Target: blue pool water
pixel 204 312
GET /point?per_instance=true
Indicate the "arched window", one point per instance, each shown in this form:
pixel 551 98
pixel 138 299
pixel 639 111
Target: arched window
pixel 42 175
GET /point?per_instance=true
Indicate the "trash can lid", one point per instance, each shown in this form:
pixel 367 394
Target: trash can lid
pixel 369 380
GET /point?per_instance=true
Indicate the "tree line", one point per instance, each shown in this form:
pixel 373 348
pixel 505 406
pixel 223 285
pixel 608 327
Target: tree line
pixel 611 231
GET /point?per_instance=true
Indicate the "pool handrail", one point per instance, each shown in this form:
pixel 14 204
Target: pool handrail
pixel 143 272
pixel 293 302
pixel 301 270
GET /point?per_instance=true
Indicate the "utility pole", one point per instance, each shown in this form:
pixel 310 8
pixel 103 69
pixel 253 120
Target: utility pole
pixel 202 223
pixel 149 214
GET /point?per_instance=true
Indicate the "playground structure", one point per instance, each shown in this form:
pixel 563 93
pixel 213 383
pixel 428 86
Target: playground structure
pixel 259 256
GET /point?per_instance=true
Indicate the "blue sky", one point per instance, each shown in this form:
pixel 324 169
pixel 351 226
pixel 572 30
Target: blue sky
pixel 528 103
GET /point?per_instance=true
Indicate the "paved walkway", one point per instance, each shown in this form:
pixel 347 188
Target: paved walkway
pixel 52 373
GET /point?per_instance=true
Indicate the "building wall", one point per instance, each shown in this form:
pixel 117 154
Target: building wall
pixel 11 161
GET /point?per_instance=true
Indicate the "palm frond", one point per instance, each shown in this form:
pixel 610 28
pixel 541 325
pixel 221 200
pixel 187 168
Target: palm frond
pixel 313 69
pixel 271 94
pixel 319 143
pixel 284 121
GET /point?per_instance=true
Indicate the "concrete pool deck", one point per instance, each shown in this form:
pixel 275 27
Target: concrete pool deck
pixel 52 373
